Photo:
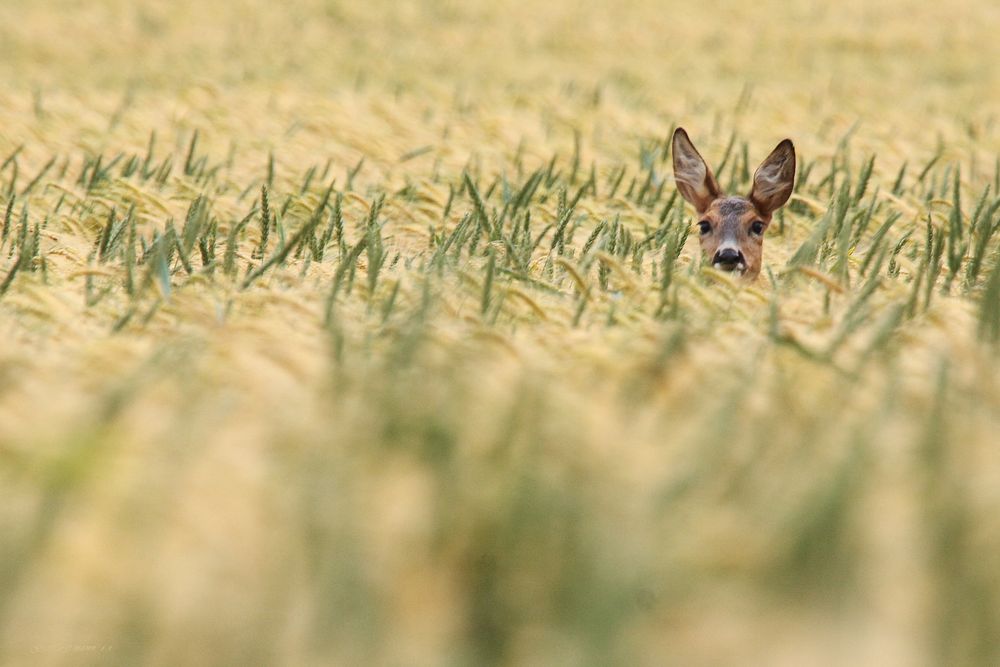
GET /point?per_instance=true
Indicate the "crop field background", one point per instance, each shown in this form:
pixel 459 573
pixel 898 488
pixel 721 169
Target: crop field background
pixel 339 333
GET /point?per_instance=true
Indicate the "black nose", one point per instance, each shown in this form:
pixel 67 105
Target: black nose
pixel 728 258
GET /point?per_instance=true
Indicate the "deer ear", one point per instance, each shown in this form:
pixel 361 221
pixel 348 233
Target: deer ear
pixel 694 179
pixel 773 180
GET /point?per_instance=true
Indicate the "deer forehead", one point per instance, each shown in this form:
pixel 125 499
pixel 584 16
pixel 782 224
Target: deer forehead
pixel 732 207
pixel 732 212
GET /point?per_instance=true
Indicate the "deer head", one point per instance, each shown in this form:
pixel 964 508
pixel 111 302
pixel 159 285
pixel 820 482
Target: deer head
pixel 731 228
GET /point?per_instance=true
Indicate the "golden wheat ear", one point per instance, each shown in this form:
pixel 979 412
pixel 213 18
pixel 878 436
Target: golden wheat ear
pixel 694 179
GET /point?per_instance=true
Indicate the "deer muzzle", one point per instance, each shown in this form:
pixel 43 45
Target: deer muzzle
pixel 729 259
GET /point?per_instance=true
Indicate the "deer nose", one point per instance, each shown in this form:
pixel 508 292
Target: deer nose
pixel 728 259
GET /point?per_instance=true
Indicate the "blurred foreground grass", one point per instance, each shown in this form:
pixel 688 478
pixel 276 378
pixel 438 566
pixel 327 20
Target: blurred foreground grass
pixel 343 334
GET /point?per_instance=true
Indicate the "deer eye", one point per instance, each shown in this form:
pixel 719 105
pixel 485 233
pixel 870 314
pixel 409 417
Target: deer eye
pixel 705 226
pixel 757 227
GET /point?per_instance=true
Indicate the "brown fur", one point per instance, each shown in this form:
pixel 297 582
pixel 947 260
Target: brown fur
pixel 730 221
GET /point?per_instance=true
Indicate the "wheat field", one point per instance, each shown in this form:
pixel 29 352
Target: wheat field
pixel 375 334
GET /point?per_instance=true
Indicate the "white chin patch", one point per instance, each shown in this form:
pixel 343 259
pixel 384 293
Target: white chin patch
pixel 740 268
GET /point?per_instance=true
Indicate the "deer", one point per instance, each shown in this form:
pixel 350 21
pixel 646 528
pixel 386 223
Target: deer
pixel 730 227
